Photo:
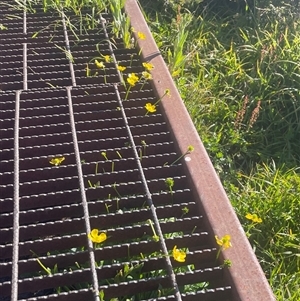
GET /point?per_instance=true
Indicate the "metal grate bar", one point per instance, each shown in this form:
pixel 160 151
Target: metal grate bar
pixel 103 23
pixel 25 66
pixel 83 197
pixel 16 234
pixel 69 54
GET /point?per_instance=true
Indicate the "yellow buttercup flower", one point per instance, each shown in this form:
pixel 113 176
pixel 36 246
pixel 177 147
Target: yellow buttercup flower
pixel 132 79
pixel 141 35
pixel 178 255
pixel 107 58
pixel 146 75
pixel 99 64
pixel 254 218
pixel 57 161
pixel 224 241
pixel 94 236
pixel 150 107
pixel 168 92
pixel 175 73
pixel 190 148
pixel 148 66
pixel 121 68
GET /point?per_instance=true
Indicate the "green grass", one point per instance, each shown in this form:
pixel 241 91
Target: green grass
pixel 273 194
pixel 238 75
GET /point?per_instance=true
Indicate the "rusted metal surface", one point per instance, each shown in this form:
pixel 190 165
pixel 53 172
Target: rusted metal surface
pixel 117 159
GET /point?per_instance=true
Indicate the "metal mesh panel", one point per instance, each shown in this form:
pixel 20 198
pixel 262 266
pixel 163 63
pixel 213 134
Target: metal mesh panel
pixel 55 102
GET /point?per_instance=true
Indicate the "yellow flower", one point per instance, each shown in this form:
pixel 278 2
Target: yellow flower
pixel 132 79
pixel 150 107
pixel 168 92
pixel 191 148
pixel 155 238
pixel 121 68
pixel 254 218
pixel 179 255
pixel 107 58
pixel 99 64
pixel 57 161
pixel 148 66
pixel 94 236
pixel 175 73
pixel 146 75
pixel 224 241
pixel 141 35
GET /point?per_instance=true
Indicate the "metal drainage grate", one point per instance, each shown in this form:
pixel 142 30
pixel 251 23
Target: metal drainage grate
pixel 56 103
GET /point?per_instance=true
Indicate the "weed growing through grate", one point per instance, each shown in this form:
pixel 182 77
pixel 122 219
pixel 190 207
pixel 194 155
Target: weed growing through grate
pixel 121 69
pixel 146 76
pixel 189 150
pixel 132 80
pixel 57 161
pixel 97 237
pixel 91 185
pixel 155 236
pixel 56 271
pixel 121 25
pixel 178 255
pixel 142 149
pixel 170 183
pixel 114 186
pixel 3 27
pixel 151 108
pixel 100 65
pixel 224 243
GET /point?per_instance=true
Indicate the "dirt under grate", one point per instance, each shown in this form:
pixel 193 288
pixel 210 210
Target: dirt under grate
pixel 118 159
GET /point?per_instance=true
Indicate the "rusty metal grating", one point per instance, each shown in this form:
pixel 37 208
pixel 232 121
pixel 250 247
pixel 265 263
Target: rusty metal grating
pixel 56 103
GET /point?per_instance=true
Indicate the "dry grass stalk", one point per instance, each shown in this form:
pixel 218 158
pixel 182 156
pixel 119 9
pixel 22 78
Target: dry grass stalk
pixel 255 114
pixel 241 113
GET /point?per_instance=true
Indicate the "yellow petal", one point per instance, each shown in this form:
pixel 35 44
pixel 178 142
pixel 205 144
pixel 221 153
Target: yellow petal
pixel 95 237
pixel 148 66
pixel 99 64
pixel 226 242
pixel 150 107
pixel 178 255
pixel 249 216
pixel 107 58
pixel 101 238
pixel 219 241
pixel 57 161
pixel 121 68
pixel 141 35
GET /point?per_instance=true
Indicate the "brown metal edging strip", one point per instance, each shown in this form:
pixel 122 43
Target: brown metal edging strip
pixel 248 280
